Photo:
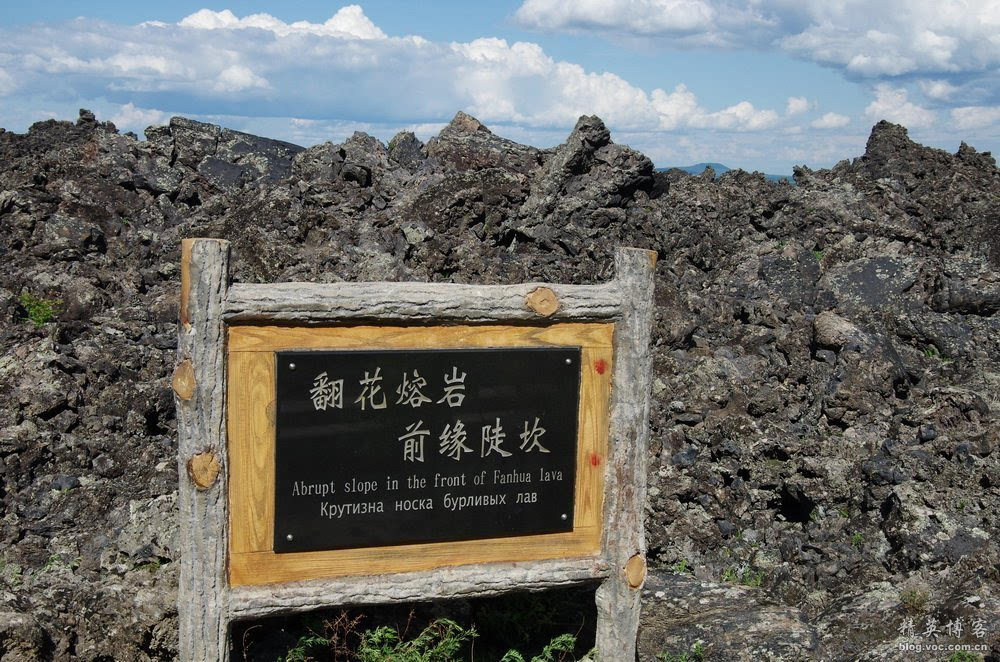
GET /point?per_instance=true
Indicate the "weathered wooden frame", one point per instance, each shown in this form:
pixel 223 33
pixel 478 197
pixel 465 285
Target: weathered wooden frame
pixel 208 603
pixel 251 430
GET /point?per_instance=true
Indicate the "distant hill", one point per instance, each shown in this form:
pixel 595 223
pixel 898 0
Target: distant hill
pixel 720 169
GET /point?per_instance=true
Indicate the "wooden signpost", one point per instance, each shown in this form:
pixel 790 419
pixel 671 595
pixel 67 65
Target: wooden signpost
pixel 364 443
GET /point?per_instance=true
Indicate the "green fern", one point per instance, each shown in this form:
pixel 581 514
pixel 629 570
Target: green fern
pixel 440 641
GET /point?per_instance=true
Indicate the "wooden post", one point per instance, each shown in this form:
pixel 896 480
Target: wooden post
pixel 625 496
pixel 201 429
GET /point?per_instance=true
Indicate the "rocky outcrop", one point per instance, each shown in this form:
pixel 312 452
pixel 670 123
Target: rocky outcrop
pixel 824 452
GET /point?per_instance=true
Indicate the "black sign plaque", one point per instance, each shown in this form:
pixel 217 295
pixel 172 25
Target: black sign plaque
pixel 389 447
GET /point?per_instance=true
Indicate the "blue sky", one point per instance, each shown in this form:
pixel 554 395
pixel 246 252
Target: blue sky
pixel 758 84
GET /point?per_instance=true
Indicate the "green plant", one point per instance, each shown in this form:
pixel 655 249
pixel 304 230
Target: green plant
pixel 843 512
pixel 962 504
pixel 306 644
pixel 150 566
pixel 10 572
pixel 818 254
pixel 38 310
pixel 964 656
pixel 682 567
pixel 438 642
pixel 914 600
pixel 56 561
pixel 563 643
pixel 814 515
pixel 696 654
pixel 857 541
pixel 751 578
pixel 931 352
pixel 743 575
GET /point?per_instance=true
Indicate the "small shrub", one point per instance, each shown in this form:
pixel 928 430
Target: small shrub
pixel 914 601
pixel 39 311
pixel 857 541
pixel 696 654
pixel 307 643
pixel 56 561
pixel 964 656
pixel 743 575
pixel 564 643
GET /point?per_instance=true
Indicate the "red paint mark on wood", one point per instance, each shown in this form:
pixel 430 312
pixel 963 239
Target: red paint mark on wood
pixel 600 365
pixel 595 459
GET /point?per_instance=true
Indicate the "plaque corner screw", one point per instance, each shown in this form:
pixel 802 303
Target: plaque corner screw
pixel 290 537
pixel 291 366
pixel 563 517
pixel 569 361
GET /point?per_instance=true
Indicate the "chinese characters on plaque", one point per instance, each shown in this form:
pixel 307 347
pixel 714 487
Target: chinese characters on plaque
pixel 329 394
pixel 379 447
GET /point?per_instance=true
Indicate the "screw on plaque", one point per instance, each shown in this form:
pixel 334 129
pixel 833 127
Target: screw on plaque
pixel 569 361
pixel 289 537
pixel 291 366
pixel 563 517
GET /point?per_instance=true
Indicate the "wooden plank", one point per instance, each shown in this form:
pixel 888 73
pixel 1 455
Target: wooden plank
pixel 414 302
pixel 278 338
pixel 251 451
pixel 251 568
pixel 592 438
pixel 251 430
pixel 449 582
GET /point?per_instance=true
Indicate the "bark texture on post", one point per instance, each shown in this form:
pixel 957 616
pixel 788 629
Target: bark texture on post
pixel 201 428
pixel 625 494
pixel 463 582
pixel 414 302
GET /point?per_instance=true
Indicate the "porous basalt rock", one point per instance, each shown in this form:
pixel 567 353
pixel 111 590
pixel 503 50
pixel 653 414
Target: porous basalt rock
pixel 824 427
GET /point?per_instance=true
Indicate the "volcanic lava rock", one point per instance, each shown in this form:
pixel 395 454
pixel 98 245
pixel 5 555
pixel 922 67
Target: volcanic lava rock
pixel 824 423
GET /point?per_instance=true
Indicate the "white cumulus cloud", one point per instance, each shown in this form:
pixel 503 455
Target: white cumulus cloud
pixel 741 117
pixel 830 121
pixel 312 81
pixel 132 118
pixel 348 22
pixel 863 39
pixel 798 105
pixel 237 77
pixel 893 104
pixel 938 89
pixel 976 117
pixel 347 68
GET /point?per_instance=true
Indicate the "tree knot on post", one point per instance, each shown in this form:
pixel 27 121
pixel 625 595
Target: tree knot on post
pixel 543 301
pixel 635 571
pixel 203 469
pixel 184 382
